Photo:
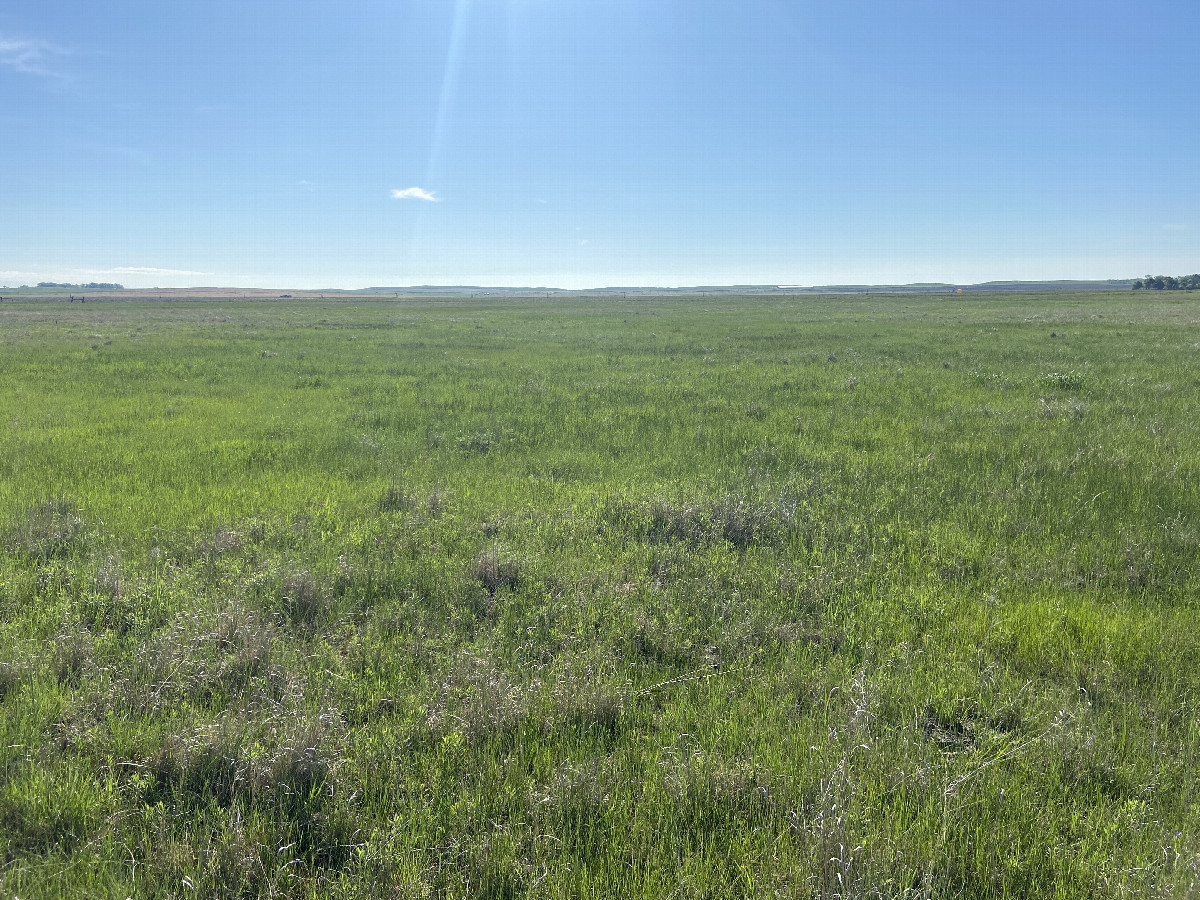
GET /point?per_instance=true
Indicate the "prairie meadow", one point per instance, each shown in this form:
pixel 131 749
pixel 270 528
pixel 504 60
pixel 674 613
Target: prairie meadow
pixel 687 596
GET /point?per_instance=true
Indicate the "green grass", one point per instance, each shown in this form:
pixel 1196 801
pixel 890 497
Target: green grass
pixel 696 597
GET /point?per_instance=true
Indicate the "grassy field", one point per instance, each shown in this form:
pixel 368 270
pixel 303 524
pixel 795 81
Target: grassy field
pixel 688 597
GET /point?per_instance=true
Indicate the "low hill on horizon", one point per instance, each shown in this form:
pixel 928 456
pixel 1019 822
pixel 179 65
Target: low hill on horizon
pixel 233 292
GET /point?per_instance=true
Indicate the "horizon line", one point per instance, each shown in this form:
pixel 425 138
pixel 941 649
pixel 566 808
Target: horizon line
pixel 695 288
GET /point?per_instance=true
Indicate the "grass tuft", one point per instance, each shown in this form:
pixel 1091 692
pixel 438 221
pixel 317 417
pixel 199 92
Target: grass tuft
pixel 397 498
pixel 12 675
pixel 73 656
pixel 303 599
pixel 495 570
pixel 223 541
pixel 1062 381
pixel 289 767
pixel 740 520
pixel 52 529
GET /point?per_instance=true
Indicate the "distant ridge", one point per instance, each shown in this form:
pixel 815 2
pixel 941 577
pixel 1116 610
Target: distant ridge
pixel 466 290
pixel 1113 284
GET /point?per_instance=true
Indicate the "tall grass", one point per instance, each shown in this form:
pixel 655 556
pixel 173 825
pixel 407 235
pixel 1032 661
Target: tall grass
pixel 679 597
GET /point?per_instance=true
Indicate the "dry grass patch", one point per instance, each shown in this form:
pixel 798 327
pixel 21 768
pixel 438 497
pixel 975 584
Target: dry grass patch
pixel 281 757
pixel 204 659
pixel 304 600
pixel 52 529
pixel 12 676
pixel 495 569
pixel 73 655
pixel 742 520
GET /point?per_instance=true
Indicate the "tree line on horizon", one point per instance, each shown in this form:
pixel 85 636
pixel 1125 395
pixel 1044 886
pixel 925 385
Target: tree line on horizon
pixel 1167 283
pixel 91 285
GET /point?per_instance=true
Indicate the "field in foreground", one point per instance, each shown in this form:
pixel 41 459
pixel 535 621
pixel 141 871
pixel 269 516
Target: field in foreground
pixel 697 598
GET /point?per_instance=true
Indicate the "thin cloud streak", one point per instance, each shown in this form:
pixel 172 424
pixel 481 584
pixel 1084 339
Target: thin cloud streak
pixel 414 193
pixel 141 276
pixel 149 270
pixel 31 57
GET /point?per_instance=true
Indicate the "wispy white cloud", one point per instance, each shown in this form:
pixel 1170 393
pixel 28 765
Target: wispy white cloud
pixel 414 193
pixel 128 275
pixel 150 270
pixel 32 57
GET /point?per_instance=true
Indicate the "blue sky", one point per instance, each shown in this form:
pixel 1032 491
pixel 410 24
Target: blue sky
pixel 579 143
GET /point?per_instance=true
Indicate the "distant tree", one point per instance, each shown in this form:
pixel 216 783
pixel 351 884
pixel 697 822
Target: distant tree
pixel 1168 283
pixel 93 285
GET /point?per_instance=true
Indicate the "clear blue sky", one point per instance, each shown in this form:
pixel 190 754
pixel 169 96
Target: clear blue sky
pixel 596 142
